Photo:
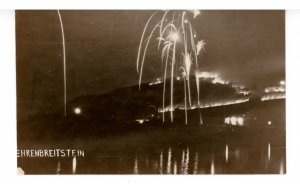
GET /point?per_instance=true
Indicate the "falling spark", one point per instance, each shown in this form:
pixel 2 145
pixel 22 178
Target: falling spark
pixel 64 61
pixel 74 165
pixel 198 96
pixel 178 48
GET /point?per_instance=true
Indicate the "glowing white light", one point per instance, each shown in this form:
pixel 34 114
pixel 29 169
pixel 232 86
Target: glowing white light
pixel 275 89
pixel 140 121
pixel 273 96
pixel 282 82
pixel 214 77
pixel 233 120
pixel 269 122
pixel 157 81
pixel 240 121
pixel 227 121
pixel 77 110
pixel 178 78
pixel 174 36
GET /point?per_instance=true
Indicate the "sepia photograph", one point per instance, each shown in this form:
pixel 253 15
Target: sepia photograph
pixel 163 92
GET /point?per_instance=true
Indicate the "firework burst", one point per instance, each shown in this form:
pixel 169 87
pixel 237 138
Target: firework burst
pixel 179 48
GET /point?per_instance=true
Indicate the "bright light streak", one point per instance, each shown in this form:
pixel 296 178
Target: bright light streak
pixel 64 61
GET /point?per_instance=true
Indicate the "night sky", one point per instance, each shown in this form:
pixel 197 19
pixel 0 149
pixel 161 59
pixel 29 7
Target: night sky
pixel 101 49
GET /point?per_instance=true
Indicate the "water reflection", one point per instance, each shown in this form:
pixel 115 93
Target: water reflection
pixel 136 167
pixel 212 166
pixel 161 162
pixel 185 161
pixel 269 151
pixel 281 167
pixel 74 165
pixel 170 159
pixel 196 163
pixel 226 153
pixel 175 168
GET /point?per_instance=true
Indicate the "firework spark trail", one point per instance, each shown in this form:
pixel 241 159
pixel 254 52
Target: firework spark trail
pixel 64 62
pixel 185 104
pixel 198 96
pixel 141 41
pixel 168 31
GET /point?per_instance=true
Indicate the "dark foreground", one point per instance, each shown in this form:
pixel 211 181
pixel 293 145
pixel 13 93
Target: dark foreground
pixel 214 148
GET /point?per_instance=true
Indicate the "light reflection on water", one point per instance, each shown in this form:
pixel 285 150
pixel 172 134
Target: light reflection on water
pixel 178 159
pixel 193 161
pixel 269 151
pixel 226 153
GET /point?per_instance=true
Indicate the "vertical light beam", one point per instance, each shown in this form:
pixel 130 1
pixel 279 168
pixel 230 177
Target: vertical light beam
pixel 64 62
